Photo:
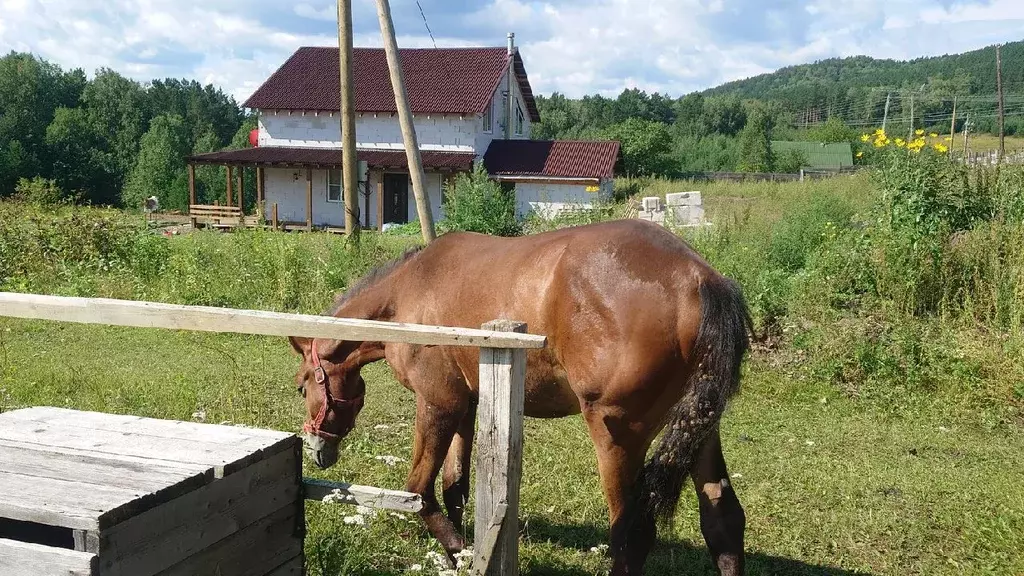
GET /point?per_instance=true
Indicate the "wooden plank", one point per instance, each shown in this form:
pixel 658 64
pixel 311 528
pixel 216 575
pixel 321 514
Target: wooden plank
pixel 211 319
pixel 309 199
pixel 499 461
pixel 126 423
pixel 370 496
pixel 269 542
pixel 57 502
pixel 95 469
pixel 166 535
pixel 230 171
pixel 24 559
pixel 140 445
pixel 58 451
pixel 294 567
pixel 273 216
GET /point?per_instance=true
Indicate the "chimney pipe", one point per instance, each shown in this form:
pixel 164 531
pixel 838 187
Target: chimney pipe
pixel 509 79
pixel 511 42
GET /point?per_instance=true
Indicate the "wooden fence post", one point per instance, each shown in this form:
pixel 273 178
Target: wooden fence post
pixel 499 456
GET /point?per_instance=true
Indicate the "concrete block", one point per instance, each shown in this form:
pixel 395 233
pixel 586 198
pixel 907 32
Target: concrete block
pixel 683 199
pixel 651 203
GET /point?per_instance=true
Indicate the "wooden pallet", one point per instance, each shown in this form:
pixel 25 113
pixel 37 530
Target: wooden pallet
pixel 88 494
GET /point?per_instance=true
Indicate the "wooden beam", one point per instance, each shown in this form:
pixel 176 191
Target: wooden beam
pixel 241 189
pixel 380 201
pixel 369 496
pixel 211 319
pixel 273 216
pixel 260 181
pixel 499 460
pixel 192 190
pixel 309 199
pixel 412 149
pixel 350 166
pixel 229 173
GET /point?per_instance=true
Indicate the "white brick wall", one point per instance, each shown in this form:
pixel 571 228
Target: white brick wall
pixel 287 188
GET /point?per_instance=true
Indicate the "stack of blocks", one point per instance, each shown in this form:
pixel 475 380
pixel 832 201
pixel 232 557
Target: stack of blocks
pixel 681 209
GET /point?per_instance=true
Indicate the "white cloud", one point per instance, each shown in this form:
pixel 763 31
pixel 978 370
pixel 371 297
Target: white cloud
pixel 572 46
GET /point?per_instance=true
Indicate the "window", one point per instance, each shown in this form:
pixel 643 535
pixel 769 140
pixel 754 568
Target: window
pixel 519 119
pixel 334 186
pixel 488 117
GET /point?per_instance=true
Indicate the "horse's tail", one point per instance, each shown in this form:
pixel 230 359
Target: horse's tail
pixel 722 340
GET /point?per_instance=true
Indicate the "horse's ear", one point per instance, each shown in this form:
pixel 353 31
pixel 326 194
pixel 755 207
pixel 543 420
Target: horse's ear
pixel 299 343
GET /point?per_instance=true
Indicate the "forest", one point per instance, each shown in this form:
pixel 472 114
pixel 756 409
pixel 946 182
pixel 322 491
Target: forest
pixel 111 140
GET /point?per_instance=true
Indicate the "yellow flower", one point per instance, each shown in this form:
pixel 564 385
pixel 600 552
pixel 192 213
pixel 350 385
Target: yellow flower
pixel 860 154
pixel 933 135
pixel 865 138
pixel 919 132
pixel 948 138
pixel 880 132
pixel 941 148
pixel 900 143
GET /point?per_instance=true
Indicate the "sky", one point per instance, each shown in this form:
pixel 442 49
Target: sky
pixel 575 47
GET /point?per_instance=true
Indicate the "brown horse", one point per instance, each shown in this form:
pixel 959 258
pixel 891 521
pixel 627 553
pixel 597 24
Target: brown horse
pixel 643 335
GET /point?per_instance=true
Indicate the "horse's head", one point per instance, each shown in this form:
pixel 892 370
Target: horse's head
pixel 333 389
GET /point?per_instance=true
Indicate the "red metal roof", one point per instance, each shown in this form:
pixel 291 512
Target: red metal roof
pixel 331 158
pixel 555 158
pixel 437 80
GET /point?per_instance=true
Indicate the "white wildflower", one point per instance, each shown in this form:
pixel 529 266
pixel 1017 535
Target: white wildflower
pixel 809 443
pixel 364 510
pixel 439 561
pixel 599 549
pixel 381 427
pixel 389 460
pixel 416 567
pixel 737 475
pixel 199 415
pixel 943 429
pixel 464 558
pixel 357 520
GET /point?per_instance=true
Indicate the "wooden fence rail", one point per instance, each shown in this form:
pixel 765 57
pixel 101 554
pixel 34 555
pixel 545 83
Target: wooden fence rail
pixel 502 344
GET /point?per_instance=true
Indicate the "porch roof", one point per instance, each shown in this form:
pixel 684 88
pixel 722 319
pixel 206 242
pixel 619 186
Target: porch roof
pixel 552 158
pixel 281 156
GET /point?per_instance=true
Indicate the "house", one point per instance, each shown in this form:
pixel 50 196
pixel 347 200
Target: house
pixel 469 105
pixel 818 155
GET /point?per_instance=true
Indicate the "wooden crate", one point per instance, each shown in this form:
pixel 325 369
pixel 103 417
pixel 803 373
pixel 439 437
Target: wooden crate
pixel 87 494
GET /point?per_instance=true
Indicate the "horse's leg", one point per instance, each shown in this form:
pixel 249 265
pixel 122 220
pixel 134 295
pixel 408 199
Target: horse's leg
pixel 455 480
pixel 621 447
pixel 435 427
pixel 722 520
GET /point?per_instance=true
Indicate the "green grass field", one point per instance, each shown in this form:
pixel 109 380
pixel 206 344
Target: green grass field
pixel 864 442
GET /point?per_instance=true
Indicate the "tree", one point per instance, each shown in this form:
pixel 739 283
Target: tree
pixel 117 108
pixel 833 131
pixel 756 142
pixel 80 166
pixel 210 179
pixel 160 167
pixel 645 147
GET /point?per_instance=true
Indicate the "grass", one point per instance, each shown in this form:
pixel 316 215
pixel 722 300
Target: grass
pixel 867 439
pixel 828 486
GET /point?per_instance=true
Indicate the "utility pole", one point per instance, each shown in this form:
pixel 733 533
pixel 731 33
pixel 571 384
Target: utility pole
pixel 350 175
pixel 911 136
pixel 967 128
pixel 999 88
pixel 952 128
pixel 412 147
pixel 885 118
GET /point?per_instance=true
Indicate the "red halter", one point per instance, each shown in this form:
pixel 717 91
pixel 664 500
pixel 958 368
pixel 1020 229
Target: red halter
pixel 320 375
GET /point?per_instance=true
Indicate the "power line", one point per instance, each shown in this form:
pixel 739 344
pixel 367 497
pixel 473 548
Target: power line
pixel 424 16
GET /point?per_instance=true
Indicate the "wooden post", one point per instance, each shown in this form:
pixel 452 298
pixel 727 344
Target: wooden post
pixel 380 202
pixel 273 215
pixel 259 193
pixel 241 189
pixel 309 199
pixel 349 172
pixel 192 191
pixel 499 460
pixel 230 170
pixel 412 147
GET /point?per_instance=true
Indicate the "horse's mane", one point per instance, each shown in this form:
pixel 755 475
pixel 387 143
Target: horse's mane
pixel 371 278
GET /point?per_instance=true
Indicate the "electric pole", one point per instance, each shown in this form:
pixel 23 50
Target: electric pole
pixel 967 128
pixel 412 148
pixel 350 176
pixel 999 88
pixel 911 136
pixel 952 128
pixel 885 118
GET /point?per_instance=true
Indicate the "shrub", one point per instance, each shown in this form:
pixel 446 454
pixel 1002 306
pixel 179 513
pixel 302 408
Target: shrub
pixel 39 191
pixel 475 203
